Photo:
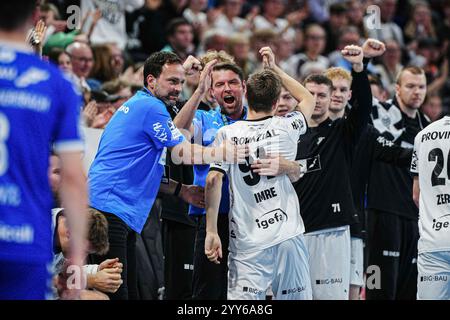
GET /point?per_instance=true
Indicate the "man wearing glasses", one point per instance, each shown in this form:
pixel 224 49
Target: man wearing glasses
pixel 82 60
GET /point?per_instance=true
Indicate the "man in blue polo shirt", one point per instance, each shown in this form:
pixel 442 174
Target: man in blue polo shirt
pixel 38 108
pixel 228 87
pixel 126 173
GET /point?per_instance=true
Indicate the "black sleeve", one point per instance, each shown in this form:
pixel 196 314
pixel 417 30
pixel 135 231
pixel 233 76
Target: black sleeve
pixel 386 151
pixel 361 105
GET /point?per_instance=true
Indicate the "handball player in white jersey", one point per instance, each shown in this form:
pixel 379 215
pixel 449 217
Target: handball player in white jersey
pixel 266 230
pixel 431 191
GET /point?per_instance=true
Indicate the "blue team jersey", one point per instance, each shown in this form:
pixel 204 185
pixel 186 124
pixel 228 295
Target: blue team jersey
pixel 38 108
pixel 125 176
pixel 206 124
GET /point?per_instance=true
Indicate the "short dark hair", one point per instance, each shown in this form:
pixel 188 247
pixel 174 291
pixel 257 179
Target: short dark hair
pixel 319 79
pixel 338 9
pixel 54 54
pixel 154 64
pixel 263 90
pixel 375 80
pixel 231 67
pixel 14 14
pixel 174 24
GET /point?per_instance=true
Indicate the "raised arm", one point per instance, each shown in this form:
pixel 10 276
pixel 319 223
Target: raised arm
pixel 299 92
pixel 361 101
pixel 184 118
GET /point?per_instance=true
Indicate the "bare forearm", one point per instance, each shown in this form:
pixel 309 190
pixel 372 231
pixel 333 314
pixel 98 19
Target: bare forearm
pixel 298 92
pixel 294 175
pixel 90 281
pixel 188 153
pixel 184 118
pixel 213 192
pixel 416 191
pixel 291 169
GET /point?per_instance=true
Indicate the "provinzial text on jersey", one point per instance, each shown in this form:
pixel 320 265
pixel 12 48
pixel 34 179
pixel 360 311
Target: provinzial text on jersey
pixel 435 135
pixel 255 138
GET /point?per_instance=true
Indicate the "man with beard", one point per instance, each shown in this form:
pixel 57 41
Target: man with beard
pixel 125 176
pixel 228 87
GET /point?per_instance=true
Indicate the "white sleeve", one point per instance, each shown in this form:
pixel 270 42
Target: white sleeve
pixel 220 166
pixel 295 123
pixel 90 269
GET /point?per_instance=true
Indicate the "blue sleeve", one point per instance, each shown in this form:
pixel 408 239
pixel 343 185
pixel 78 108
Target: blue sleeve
pixel 66 135
pixel 197 122
pixel 159 127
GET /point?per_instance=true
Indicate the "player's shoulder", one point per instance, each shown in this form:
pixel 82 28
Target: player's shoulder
pixel 233 127
pixel 295 119
pixel 290 115
pixel 146 100
pixel 30 69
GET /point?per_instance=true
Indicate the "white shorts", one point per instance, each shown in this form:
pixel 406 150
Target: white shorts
pixel 433 282
pixel 329 262
pixel 357 262
pixel 284 266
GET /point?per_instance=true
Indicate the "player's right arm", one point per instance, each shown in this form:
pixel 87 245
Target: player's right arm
pixel 299 92
pixel 213 193
pixel 278 166
pixel 185 117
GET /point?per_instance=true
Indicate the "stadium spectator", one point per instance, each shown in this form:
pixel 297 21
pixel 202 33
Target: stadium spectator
pixel 82 60
pixel 111 26
pixel 432 107
pixel 315 41
pixel 180 37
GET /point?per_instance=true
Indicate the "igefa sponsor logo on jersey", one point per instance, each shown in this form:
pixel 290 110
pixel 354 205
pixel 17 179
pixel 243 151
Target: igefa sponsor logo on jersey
pixel 271 218
pixel 441 223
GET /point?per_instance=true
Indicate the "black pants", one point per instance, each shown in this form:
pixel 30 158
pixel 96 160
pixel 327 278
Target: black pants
pixel 122 245
pixel 178 246
pixel 393 248
pixel 209 281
